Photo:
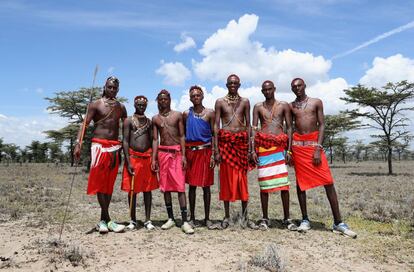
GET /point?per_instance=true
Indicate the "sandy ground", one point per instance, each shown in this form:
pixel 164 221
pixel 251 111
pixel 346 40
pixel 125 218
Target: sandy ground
pixel 29 240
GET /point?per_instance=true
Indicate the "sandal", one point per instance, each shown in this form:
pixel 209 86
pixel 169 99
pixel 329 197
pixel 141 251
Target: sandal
pixel 264 224
pixel 225 223
pixel 290 225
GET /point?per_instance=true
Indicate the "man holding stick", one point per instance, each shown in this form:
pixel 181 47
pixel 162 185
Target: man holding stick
pixel 137 175
pixel 106 114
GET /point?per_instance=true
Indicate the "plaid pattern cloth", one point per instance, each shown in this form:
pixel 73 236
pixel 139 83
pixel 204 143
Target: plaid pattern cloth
pixel 234 149
pixel 269 140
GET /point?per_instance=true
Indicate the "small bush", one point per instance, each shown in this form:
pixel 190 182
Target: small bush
pixel 269 259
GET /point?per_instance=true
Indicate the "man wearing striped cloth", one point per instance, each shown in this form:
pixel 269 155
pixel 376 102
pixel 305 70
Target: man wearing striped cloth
pixel 270 143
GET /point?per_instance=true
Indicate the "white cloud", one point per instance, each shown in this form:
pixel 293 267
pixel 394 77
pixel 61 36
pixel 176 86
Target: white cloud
pixel 230 50
pixel 391 69
pixel 330 92
pixel 25 129
pixel 39 90
pixel 175 73
pixel 187 43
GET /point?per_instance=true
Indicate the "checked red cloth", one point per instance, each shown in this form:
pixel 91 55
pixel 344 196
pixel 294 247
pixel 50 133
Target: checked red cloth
pixel 269 140
pixel 234 149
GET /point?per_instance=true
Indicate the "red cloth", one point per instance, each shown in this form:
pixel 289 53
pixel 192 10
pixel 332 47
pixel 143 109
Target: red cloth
pixel 198 172
pixel 104 166
pixel 234 149
pixel 233 183
pixel 234 165
pixel 308 175
pixel 172 175
pixel 267 141
pixel 145 180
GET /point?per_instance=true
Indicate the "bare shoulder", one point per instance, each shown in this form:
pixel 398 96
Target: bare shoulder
pixel 284 104
pixel 96 102
pixel 155 118
pixel 245 100
pixel 315 101
pixel 258 105
pixel 209 112
pixel 185 113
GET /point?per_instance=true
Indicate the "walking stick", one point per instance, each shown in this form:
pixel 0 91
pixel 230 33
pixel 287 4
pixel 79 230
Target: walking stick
pixel 131 195
pixel 80 147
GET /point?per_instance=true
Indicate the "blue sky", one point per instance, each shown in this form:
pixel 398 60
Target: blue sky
pixel 49 46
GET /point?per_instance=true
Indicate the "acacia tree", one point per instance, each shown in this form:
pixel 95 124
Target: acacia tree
pixel 334 126
pixel 402 146
pixel 384 108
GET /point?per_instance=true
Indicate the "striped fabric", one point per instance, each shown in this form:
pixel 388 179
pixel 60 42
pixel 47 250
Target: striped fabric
pixel 273 174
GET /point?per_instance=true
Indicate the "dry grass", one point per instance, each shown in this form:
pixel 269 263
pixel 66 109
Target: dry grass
pixel 378 206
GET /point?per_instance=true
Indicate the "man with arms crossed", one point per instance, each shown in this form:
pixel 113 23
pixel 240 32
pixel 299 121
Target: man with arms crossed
pixel 106 114
pixel 233 140
pixel 169 158
pixel 137 143
pixel 199 131
pixel 271 143
pixel 311 166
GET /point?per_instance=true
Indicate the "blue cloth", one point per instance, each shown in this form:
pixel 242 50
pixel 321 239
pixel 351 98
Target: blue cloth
pixel 197 129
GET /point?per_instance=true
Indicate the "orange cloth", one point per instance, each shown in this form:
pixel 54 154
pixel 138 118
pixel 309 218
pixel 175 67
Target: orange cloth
pixel 145 180
pixel 104 166
pixel 233 183
pixel 198 172
pixel 308 175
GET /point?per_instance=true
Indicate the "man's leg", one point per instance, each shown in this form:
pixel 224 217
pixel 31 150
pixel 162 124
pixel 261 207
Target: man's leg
pixel 302 202
pixel 264 198
pixel 226 209
pixel 333 201
pixel 207 200
pixel 183 206
pixel 305 224
pixel 285 202
pixel 192 200
pixel 132 208
pixel 185 227
pixel 168 205
pixel 104 204
pixel 147 204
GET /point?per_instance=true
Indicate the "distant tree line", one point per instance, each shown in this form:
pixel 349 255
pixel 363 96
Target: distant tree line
pixel 381 109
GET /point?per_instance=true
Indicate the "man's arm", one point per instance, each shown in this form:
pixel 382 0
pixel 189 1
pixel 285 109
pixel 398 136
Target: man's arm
pixel 212 120
pixel 254 128
pixel 88 118
pixel 249 128
pixel 181 133
pixel 217 109
pixel 126 129
pixel 288 121
pixel 154 161
pixel 321 128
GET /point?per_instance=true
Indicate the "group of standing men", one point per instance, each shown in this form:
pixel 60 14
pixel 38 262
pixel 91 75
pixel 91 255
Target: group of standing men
pixel 175 148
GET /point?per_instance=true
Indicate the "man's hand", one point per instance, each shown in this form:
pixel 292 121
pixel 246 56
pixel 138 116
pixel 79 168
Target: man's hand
pixel 317 156
pixel 254 158
pixel 77 152
pixel 217 158
pixel 212 161
pixel 184 162
pixel 154 166
pixel 288 158
pixel 130 170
